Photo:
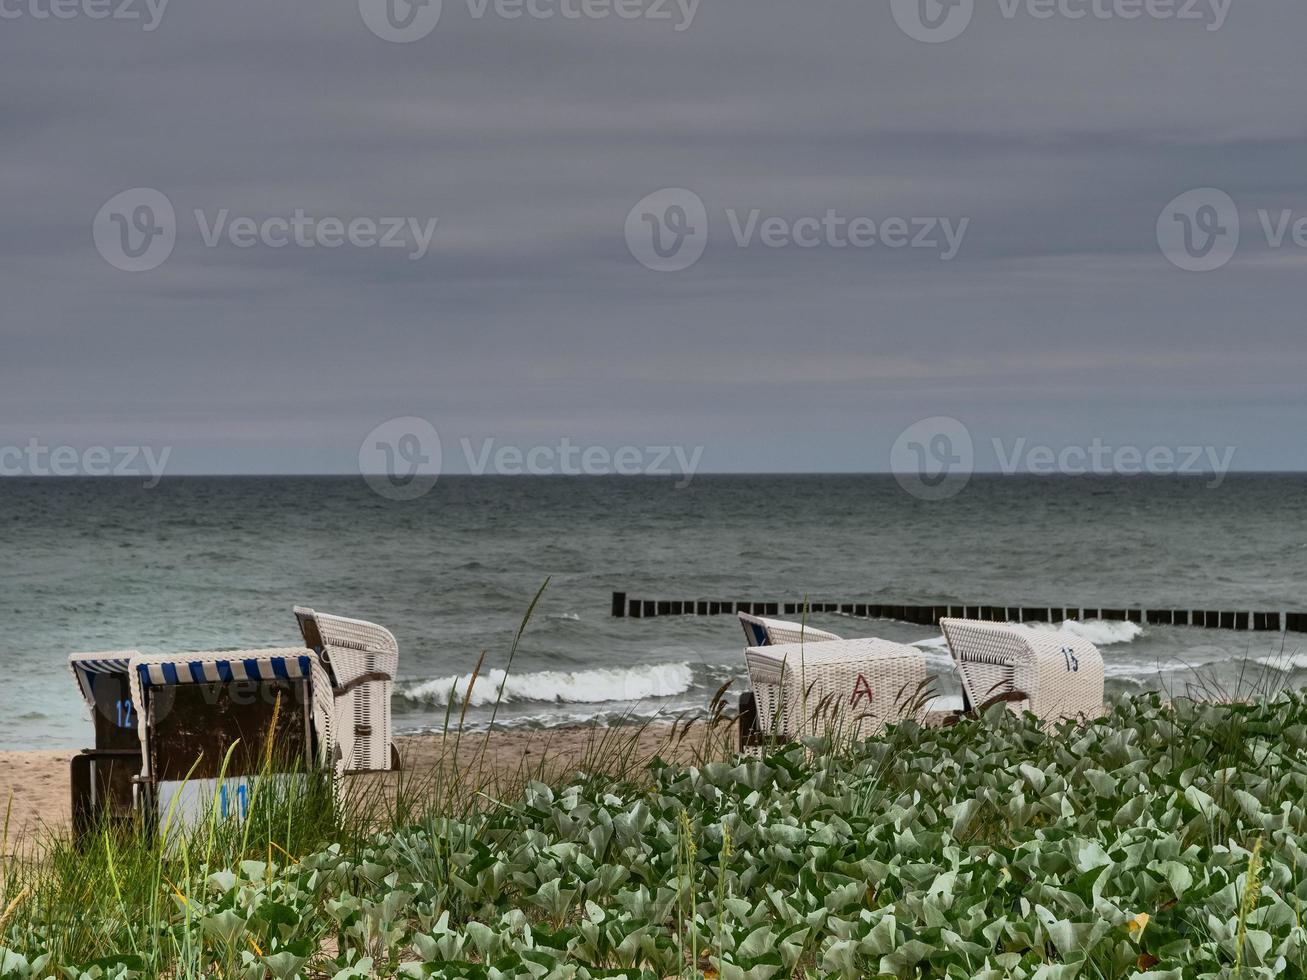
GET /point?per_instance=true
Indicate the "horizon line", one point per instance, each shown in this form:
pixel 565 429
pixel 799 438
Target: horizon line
pixel 643 476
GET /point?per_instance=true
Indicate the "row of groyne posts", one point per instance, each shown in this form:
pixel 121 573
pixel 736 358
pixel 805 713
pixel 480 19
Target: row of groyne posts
pixel 1244 619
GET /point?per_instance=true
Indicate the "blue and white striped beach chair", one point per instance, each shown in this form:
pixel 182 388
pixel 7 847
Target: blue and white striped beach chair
pixel 176 732
pixel 209 721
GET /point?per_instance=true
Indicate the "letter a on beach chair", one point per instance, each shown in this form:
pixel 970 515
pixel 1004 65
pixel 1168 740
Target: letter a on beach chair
pixel 362 659
pixel 840 688
pixel 1053 674
pixel 762 632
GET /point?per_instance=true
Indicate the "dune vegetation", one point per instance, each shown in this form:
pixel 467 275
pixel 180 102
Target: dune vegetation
pixel 1161 841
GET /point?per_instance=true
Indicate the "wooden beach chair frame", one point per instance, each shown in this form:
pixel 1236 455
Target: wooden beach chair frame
pixel 102 778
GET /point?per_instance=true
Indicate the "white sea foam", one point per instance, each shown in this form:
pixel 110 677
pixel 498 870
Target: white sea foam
pixel 1284 662
pixel 595 686
pixel 1103 632
pixel 1099 632
pixel 945 702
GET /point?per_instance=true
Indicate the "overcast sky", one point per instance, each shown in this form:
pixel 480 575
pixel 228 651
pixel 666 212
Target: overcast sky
pixel 1051 146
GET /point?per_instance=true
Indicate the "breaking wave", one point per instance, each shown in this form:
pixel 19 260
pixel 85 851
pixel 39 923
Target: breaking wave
pixel 1285 663
pixel 595 686
pixel 1099 632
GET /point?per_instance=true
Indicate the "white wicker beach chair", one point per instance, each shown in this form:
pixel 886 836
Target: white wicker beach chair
pixel 762 632
pixel 844 688
pixel 363 659
pixel 1053 674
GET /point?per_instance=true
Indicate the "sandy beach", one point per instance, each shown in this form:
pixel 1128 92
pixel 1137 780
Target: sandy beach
pixel 34 785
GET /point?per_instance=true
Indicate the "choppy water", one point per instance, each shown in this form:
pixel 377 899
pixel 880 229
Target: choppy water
pixel 207 563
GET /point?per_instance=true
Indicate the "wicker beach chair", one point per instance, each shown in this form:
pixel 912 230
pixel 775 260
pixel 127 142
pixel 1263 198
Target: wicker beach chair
pixel 208 723
pixel 102 777
pixel 1054 675
pixel 362 659
pixel 842 688
pixel 762 632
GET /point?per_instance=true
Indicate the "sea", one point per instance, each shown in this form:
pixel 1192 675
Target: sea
pixel 201 563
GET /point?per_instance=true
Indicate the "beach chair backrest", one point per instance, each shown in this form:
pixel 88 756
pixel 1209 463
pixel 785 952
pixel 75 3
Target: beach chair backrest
pixel 985 655
pixel 1057 674
pixel 212 722
pixel 761 632
pixel 213 687
pixel 363 659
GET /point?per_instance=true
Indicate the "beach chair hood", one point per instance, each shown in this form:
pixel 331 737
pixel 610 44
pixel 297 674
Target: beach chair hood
pixel 761 632
pixel 87 667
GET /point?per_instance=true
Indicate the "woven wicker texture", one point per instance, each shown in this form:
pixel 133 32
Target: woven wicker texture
pixel 354 649
pixel 1061 675
pixel 843 688
pixel 773 632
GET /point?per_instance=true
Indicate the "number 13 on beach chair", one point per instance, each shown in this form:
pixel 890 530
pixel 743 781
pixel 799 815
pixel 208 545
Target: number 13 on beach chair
pixel 1051 673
